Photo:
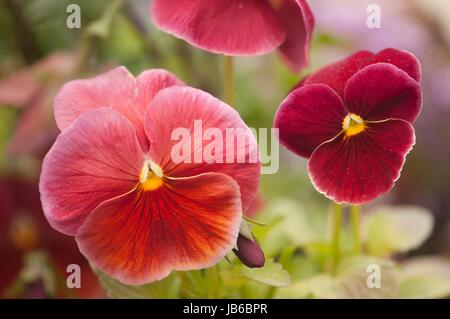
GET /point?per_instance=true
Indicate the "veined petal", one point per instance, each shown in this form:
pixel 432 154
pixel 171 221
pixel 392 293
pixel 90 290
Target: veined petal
pixel 116 89
pixel 189 223
pixel 150 82
pixel 381 91
pixel 95 159
pixel 232 27
pixel 298 21
pixel 337 74
pixel 358 169
pixel 309 116
pixel 196 133
pixel 402 59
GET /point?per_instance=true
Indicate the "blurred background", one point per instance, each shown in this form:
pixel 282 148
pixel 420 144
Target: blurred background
pixel 39 53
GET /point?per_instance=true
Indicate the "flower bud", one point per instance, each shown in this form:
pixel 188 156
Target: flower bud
pixel 249 252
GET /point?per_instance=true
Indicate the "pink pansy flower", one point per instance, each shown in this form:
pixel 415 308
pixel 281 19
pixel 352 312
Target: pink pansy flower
pixel 110 180
pixel 241 27
pixel 31 90
pixel 353 120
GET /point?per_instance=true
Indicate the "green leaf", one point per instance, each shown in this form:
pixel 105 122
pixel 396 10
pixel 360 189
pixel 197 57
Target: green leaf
pixel 357 278
pixel 166 288
pixel 271 274
pixel 352 281
pixel 425 277
pixel 397 229
pixel 254 222
pixel 287 224
pixel 320 286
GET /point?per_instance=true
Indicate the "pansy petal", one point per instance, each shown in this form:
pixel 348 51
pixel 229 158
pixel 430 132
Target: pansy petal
pixel 402 59
pixel 18 89
pixel 200 134
pixel 232 27
pixel 309 116
pixel 381 91
pixel 150 82
pixel 298 21
pixel 35 130
pixel 142 236
pixel 114 89
pixel 97 158
pixel 337 74
pixel 358 169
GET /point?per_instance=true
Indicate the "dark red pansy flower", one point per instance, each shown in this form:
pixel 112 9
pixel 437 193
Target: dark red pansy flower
pixel 111 180
pixel 23 229
pixel 352 119
pixel 241 27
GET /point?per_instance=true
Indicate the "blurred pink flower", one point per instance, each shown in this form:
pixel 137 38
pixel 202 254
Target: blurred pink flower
pixel 31 90
pixel 241 27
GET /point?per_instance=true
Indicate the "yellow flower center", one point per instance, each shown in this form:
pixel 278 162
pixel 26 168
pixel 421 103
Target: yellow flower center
pixel 151 177
pixel 353 124
pixel 23 233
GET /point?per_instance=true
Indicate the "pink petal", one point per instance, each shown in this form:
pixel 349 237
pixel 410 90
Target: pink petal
pixel 381 91
pixel 116 89
pixel 150 82
pixel 36 130
pixel 309 116
pixel 18 89
pixel 337 74
pixel 298 21
pixel 21 87
pixel 97 158
pixel 358 169
pixel 232 27
pixel 142 236
pixel 188 109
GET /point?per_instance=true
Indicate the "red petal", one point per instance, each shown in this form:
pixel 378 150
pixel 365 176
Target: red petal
pixel 97 158
pixel 381 91
pixel 358 169
pixel 402 59
pixel 142 236
pixel 298 21
pixel 232 27
pixel 309 116
pixel 337 74
pixel 190 109
pixel 116 89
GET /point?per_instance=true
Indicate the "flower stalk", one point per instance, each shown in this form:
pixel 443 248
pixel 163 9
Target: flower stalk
pixel 336 236
pixel 355 217
pixel 229 80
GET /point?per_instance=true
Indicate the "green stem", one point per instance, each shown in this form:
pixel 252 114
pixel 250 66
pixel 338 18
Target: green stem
pixel 355 216
pixel 229 80
pixel 336 236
